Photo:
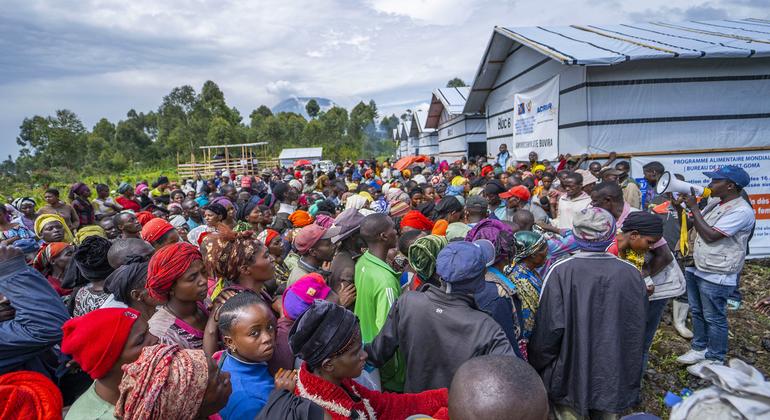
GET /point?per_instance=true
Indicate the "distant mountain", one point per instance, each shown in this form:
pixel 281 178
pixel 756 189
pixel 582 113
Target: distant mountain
pixel 297 105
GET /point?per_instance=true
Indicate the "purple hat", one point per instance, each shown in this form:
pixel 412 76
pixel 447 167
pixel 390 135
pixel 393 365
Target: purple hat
pixel 497 232
pixel 324 220
pixel 300 295
pixel 223 201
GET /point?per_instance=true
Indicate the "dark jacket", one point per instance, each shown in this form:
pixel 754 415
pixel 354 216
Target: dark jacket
pixel 501 302
pixel 27 340
pixel 436 332
pixel 588 339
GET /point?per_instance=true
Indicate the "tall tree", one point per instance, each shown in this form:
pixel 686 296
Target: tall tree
pixel 312 108
pixel 456 82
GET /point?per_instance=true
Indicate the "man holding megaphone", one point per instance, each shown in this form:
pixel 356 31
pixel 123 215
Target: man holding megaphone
pixel 722 231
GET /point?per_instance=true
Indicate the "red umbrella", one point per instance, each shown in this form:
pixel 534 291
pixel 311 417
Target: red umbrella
pixel 408 161
pixel 303 162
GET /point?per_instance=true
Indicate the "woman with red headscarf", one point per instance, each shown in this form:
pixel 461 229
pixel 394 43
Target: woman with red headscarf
pixel 176 277
pixel 278 249
pixel 29 395
pixel 52 261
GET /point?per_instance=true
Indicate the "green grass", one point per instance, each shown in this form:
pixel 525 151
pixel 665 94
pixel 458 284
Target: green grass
pixel 62 178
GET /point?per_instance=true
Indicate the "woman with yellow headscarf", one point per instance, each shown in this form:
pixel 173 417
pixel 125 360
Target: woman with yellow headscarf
pixel 52 228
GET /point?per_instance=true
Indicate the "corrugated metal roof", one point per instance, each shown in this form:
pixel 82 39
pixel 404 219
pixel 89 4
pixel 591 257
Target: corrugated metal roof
pixel 451 99
pixel 596 45
pixel 603 45
pixel 301 153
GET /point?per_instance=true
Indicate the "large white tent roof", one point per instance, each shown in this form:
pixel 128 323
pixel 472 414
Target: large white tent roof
pixel 604 45
pixel 596 45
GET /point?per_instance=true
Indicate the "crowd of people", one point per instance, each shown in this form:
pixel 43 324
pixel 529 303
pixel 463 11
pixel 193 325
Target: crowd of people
pixel 482 288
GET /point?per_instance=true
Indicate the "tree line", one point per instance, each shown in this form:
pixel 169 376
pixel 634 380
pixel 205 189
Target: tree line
pixel 60 145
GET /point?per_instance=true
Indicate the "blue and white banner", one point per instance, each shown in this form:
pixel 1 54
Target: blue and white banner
pixel 536 121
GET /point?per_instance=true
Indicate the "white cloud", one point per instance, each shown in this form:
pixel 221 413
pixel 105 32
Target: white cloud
pixel 101 58
pixel 281 88
pixel 435 12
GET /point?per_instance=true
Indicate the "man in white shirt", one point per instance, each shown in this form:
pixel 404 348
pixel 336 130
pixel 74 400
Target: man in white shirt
pixel 722 229
pixel 573 201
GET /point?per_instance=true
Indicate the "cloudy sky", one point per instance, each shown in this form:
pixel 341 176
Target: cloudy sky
pixel 101 58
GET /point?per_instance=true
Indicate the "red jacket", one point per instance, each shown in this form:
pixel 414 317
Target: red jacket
pixel 371 404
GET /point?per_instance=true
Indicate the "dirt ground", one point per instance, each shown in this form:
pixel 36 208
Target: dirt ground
pixel 749 341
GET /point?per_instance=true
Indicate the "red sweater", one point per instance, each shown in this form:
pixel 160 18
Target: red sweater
pixel 370 404
pixel 128 204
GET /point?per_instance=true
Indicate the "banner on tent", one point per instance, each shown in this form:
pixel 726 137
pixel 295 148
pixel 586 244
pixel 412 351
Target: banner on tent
pixel 536 121
pixel 756 163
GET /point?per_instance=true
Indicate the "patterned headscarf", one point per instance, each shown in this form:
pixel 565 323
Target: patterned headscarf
pixel 227 252
pixel 45 219
pixel 594 229
pixel 497 232
pixel 43 261
pixel 267 236
pixel 398 209
pixel 324 220
pixel 17 203
pixel 152 385
pixel 356 201
pixel 380 206
pixel 528 243
pixel 423 253
pixel 396 194
pixel 223 201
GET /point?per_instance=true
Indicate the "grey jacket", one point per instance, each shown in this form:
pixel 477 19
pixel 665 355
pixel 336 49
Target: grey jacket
pixel 436 332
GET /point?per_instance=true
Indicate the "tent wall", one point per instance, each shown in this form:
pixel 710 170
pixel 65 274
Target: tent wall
pixel 523 69
pixel 412 145
pixel 456 131
pixel 428 143
pixel 666 105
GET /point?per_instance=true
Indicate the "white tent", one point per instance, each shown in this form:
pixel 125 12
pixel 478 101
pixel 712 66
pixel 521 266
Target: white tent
pixel 692 95
pixel 631 88
pixel 427 138
pixel 459 135
pixel 289 156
